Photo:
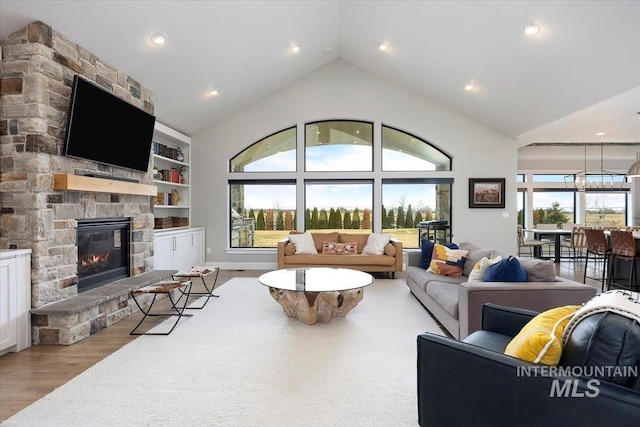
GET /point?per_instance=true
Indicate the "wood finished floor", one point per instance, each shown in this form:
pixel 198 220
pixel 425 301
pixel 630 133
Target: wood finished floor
pixel 36 371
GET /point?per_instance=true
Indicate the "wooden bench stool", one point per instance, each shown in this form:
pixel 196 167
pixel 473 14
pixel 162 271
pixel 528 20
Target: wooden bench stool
pixel 158 289
pixel 200 272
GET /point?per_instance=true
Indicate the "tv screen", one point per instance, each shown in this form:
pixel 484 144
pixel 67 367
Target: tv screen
pixel 107 129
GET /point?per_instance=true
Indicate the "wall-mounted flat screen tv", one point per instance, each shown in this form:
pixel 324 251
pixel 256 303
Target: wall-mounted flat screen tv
pixel 107 129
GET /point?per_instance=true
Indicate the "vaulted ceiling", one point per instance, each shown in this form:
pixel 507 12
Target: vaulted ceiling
pixel 579 76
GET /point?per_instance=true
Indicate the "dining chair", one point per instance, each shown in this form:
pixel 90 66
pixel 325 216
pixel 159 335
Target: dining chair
pixel 550 241
pixel 623 248
pixel 598 247
pixel 569 225
pixel 528 243
pixel 577 242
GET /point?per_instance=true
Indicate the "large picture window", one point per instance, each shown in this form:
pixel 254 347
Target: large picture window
pixel 272 193
pixel 338 205
pixel 406 203
pixel 261 213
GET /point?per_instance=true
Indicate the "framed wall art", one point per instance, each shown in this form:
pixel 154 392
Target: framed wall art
pixel 486 192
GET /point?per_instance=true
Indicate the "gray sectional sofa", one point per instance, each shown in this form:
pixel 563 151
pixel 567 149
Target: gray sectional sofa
pixel 457 303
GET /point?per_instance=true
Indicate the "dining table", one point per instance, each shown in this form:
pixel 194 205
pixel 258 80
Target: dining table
pixel 540 234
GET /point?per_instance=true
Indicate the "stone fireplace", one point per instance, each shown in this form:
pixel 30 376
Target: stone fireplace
pixel 38 65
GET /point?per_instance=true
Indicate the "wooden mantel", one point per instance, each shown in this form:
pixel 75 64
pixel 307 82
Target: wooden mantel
pixel 73 182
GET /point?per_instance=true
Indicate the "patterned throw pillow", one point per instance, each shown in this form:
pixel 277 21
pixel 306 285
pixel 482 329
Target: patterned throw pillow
pixel 426 251
pixel 447 262
pixel 333 248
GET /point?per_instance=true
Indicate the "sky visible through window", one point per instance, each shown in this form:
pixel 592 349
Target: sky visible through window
pixel 342 195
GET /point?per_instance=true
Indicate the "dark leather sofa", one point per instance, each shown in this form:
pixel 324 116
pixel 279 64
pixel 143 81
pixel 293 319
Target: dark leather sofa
pixel 472 383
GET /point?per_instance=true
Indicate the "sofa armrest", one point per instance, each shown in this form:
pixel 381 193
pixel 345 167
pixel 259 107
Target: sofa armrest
pixel 413 257
pixel 399 255
pixel 536 296
pixel 460 384
pixel 280 251
pixel 505 320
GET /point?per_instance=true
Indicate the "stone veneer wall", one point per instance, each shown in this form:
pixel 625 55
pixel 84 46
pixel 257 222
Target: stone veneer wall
pixel 38 65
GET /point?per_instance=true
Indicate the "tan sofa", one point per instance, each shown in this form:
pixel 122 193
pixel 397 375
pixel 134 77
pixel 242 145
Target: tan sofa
pixel 390 261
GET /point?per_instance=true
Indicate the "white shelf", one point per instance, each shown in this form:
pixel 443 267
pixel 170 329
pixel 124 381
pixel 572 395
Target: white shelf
pixel 169 183
pixel 171 207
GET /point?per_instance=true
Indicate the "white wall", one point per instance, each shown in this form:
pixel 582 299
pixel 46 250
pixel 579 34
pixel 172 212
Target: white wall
pixel 340 90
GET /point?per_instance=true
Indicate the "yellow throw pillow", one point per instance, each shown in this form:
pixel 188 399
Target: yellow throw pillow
pixel 540 341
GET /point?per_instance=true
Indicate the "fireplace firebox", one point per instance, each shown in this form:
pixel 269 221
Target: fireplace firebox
pixel 103 251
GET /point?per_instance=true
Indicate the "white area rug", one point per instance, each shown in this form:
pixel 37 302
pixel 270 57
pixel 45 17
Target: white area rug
pixel 242 362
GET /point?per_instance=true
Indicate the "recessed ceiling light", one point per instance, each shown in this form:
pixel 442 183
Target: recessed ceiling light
pixel 295 48
pixel 383 47
pixel 530 29
pixel 600 134
pixel 469 87
pixel 212 92
pixel 159 38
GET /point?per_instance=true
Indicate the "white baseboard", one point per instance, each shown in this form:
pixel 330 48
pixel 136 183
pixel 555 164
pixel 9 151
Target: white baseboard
pixel 244 265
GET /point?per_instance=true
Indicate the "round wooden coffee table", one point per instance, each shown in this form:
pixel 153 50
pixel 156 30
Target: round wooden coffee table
pixel 316 293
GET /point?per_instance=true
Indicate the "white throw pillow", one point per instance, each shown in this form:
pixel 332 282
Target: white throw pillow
pixel 376 243
pixel 477 274
pixel 304 243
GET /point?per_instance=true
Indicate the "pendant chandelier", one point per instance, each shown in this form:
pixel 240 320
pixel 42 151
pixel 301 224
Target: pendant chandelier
pixel 594 179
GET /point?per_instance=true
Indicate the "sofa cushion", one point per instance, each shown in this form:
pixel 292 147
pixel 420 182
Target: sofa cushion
pixel 539 270
pixel 339 248
pixel 447 262
pixel 376 243
pixel 480 269
pixel 426 251
pixel 338 260
pixel 360 239
pixel 304 243
pixel 475 254
pixel 540 341
pixel 507 270
pixel 320 238
pixel 446 295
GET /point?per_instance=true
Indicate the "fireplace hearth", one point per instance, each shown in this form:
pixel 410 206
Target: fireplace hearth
pixel 103 251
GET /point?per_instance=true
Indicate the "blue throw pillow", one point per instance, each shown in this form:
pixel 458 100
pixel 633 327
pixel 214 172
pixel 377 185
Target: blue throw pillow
pixel 507 270
pixel 426 246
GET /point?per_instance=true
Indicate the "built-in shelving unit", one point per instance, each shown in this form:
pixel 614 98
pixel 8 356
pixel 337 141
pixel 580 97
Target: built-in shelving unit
pixel 172 175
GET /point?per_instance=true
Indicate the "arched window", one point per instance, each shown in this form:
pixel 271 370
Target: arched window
pixel 340 182
pixel 405 152
pixel 275 153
